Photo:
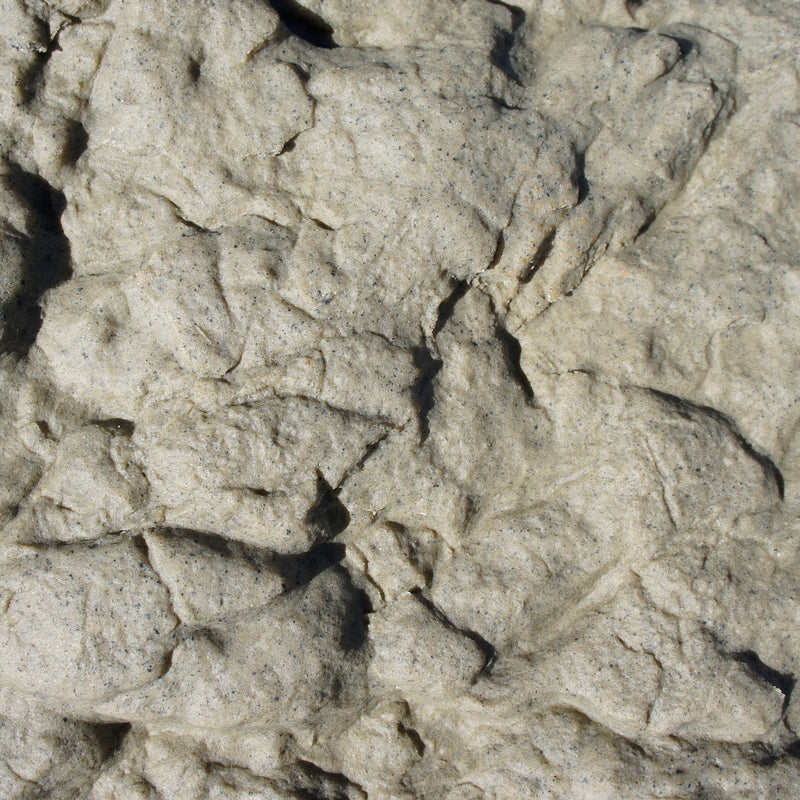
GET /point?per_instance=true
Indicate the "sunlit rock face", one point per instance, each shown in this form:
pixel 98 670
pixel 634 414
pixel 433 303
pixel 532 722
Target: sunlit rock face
pixel 399 401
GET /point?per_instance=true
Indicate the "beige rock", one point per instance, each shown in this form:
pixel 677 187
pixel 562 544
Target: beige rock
pixel 399 400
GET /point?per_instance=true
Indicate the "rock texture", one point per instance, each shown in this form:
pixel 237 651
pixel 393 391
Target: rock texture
pixel 399 401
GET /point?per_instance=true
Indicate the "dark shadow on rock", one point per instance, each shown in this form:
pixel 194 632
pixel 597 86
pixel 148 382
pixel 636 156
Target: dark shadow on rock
pixel 784 682
pixel 354 624
pixel 327 517
pixel 46 259
pixel 304 24
pixel 423 388
pixel 298 570
pixel 501 55
pixel 77 140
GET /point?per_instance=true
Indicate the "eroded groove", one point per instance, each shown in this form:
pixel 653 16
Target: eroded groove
pixel 45 259
pixel 685 408
pixel 304 24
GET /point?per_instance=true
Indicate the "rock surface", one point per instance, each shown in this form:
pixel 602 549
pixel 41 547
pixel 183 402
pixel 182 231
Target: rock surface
pixel 399 401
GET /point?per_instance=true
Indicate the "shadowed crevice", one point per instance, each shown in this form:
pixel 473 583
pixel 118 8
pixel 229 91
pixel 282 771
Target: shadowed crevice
pixel 579 179
pixel 784 682
pixel 487 649
pixel 354 623
pixel 447 306
pixel 111 737
pixel 75 144
pixel 685 408
pixel 304 24
pixel 298 570
pixel 328 517
pixel 423 389
pixel 45 259
pixel 311 782
pixel 513 354
pixel 428 364
pixel 123 427
pixel 501 55
pixel 539 257
pixel 32 79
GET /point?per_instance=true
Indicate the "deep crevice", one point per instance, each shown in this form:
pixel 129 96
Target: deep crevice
pixel 505 41
pixel 413 736
pixel 499 247
pixel 289 145
pixel 784 682
pixel 75 143
pixel 579 180
pixel 684 409
pixel 501 55
pixel 45 429
pixel 298 570
pixel 428 364
pixel 447 306
pixel 513 354
pixel 422 391
pixel 328 516
pixel 304 24
pixel 645 226
pixel 32 79
pixel 166 664
pixel 354 623
pixel 685 46
pixel 111 737
pixel 45 259
pixel 314 783
pixel 195 68
pixel 124 427
pixel 488 650
pixel 765 755
pixel 539 257
pixel 793 749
